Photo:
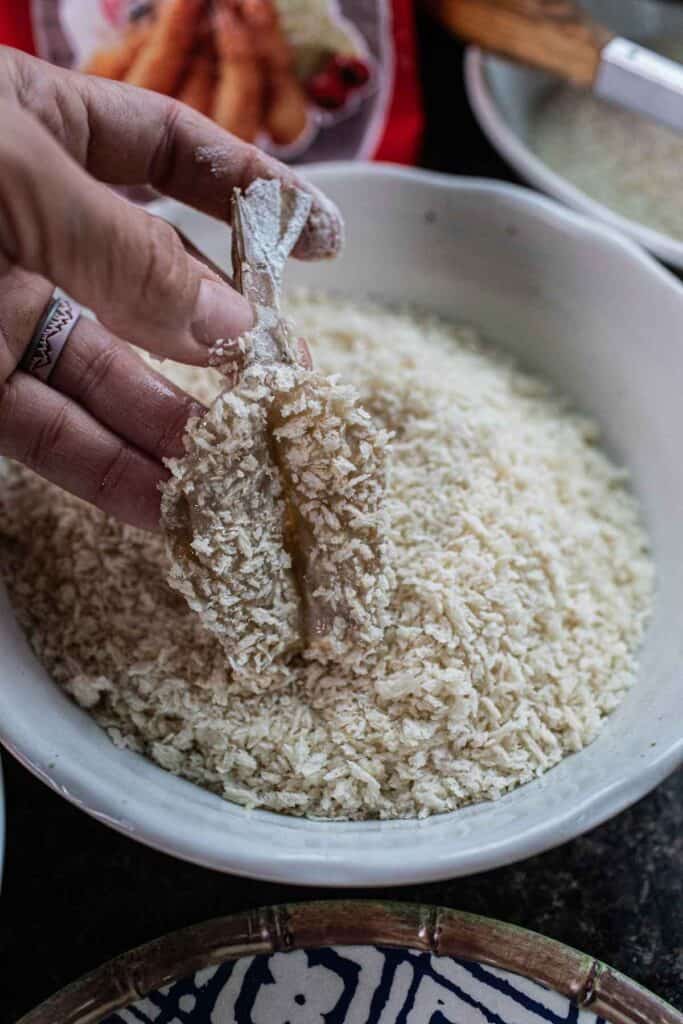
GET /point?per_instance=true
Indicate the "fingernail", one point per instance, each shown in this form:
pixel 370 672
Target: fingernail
pixel 323 233
pixel 220 312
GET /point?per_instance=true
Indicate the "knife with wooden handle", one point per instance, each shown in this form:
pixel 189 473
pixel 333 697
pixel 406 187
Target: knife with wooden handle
pixel 558 36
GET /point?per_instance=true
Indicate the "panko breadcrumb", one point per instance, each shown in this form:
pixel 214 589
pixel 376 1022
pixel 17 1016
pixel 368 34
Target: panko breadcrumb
pixel 523 585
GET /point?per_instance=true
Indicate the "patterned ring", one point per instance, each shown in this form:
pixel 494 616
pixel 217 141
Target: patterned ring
pixel 50 337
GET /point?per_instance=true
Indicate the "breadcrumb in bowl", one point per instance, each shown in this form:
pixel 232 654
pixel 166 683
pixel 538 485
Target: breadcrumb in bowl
pixel 415 710
pixel 522 589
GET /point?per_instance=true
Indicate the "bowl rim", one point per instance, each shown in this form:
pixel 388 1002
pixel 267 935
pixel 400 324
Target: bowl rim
pixel 80 782
pixel 587 982
pixel 509 144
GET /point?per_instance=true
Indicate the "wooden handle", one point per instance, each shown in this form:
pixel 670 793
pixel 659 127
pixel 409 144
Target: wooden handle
pixel 554 35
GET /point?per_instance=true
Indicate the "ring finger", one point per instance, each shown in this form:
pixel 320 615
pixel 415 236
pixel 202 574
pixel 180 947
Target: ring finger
pixel 105 420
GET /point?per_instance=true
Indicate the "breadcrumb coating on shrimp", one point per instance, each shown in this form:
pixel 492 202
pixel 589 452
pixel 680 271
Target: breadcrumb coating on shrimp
pixel 275 517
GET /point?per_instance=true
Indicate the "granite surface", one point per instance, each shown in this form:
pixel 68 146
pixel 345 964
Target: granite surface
pixel 76 894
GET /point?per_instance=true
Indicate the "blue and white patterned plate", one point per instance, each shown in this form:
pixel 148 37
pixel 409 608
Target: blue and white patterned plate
pixel 354 962
pixel 354 985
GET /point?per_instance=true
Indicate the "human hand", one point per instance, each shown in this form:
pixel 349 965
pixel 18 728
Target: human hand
pixel 102 424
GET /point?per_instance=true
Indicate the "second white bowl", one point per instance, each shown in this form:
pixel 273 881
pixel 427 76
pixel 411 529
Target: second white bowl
pixel 503 95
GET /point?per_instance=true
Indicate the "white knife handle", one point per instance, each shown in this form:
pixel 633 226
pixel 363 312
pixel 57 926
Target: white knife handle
pixel 641 80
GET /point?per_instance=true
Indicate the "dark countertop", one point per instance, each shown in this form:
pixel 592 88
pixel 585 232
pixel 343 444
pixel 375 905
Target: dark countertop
pixel 76 894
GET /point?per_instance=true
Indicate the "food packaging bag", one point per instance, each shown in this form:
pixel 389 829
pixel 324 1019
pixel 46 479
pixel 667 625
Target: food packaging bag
pixel 342 73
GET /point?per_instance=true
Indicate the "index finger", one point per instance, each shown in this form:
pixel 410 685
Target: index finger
pixel 125 135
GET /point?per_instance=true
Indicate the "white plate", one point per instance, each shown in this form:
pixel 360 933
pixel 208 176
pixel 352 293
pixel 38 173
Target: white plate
pixel 502 95
pixel 576 302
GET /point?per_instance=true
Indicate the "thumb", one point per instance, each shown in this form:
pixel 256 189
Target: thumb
pixel 128 266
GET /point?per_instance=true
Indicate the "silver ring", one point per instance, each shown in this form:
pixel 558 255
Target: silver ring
pixel 50 337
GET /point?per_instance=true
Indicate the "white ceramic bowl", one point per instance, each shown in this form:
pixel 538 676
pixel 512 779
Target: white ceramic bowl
pixel 574 301
pixel 503 95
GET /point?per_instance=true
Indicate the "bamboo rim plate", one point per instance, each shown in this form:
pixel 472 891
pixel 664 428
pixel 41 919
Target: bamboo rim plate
pixel 586 983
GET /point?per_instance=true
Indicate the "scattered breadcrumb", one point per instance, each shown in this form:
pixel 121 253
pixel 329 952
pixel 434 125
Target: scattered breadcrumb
pixel 523 585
